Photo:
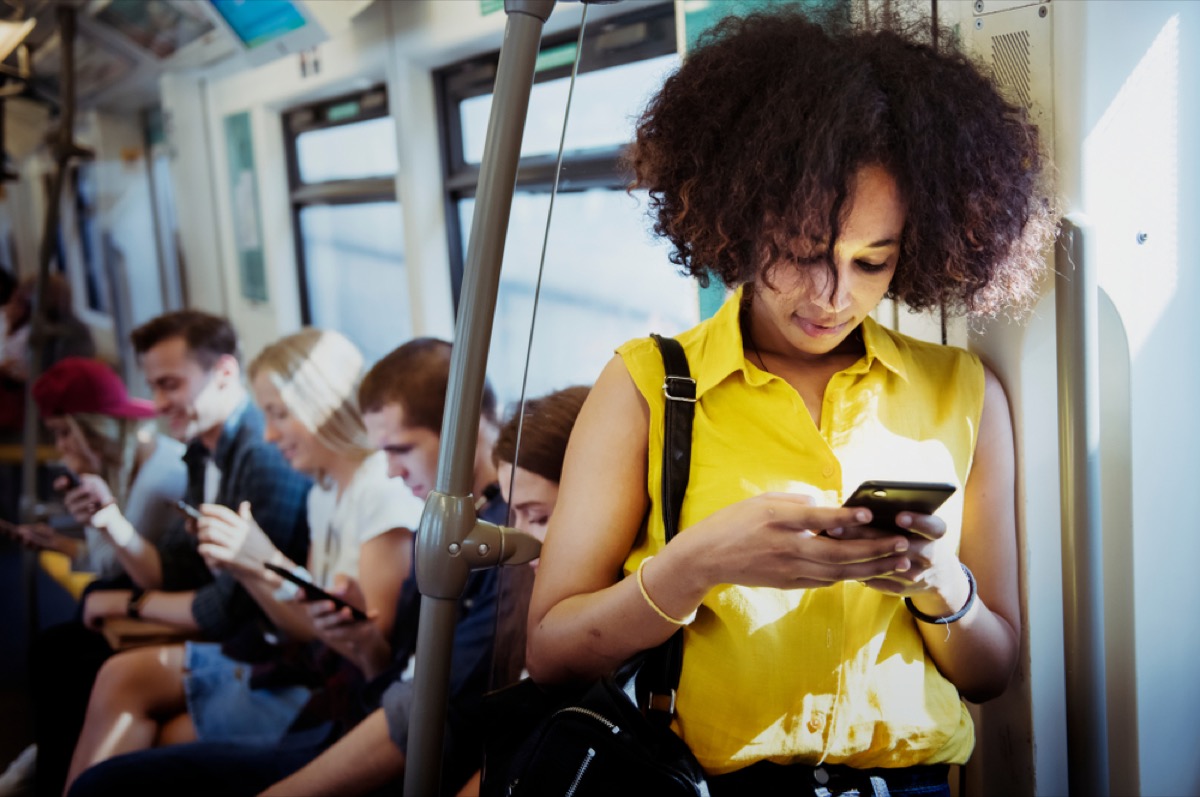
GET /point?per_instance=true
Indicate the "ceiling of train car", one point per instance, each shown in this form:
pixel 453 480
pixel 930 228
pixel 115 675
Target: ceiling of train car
pixel 121 48
pixel 124 46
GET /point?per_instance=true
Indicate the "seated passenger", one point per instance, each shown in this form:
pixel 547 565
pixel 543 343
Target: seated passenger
pixel 190 360
pixel 101 435
pixel 402 398
pixel 816 650
pixel 529 483
pixel 122 464
pixel 305 384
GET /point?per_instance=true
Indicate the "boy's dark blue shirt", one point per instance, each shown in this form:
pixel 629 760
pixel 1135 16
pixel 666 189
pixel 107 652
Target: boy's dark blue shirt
pixel 470 663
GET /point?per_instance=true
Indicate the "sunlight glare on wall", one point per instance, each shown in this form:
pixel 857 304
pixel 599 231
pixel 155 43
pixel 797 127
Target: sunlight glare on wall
pixel 1131 188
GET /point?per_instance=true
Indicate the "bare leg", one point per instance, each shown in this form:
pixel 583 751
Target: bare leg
pixel 471 787
pixel 178 730
pixel 134 692
pixel 360 762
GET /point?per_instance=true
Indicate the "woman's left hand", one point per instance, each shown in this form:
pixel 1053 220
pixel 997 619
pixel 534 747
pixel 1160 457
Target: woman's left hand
pixel 360 641
pixel 233 541
pixel 935 566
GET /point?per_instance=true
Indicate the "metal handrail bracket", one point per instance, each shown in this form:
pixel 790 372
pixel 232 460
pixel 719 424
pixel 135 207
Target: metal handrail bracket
pixel 449 517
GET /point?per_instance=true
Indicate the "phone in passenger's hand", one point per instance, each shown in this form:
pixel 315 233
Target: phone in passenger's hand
pixel 187 510
pixel 887 499
pixel 71 476
pixel 314 593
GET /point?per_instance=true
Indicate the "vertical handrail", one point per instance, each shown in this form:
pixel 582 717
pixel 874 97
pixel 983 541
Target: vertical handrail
pixel 449 515
pixel 1078 332
pixel 65 149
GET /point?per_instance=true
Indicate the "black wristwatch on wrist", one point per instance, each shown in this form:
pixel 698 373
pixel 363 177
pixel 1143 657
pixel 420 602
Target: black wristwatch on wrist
pixel 133 609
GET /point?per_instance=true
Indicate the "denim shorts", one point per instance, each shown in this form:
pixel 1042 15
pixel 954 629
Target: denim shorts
pixel 224 708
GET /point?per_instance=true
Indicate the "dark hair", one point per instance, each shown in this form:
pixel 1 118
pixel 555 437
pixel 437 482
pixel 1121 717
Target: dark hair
pixel 208 337
pixel 544 434
pixel 57 297
pixel 750 151
pixel 416 376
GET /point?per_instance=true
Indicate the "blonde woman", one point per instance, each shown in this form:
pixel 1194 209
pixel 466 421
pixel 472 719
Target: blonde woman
pixel 360 525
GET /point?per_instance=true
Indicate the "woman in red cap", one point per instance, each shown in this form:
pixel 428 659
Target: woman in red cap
pixel 102 435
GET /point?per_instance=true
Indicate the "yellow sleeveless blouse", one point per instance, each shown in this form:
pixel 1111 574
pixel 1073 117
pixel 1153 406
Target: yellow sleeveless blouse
pixel 837 674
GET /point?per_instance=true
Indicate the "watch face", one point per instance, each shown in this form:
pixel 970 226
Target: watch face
pixel 134 608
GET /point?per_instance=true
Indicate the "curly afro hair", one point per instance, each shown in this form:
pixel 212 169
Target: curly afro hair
pixel 752 146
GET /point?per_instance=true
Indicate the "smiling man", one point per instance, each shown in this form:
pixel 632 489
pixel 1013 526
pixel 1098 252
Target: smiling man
pixel 191 363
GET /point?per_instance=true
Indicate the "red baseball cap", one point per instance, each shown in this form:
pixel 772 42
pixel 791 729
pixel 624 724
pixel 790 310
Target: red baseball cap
pixel 78 384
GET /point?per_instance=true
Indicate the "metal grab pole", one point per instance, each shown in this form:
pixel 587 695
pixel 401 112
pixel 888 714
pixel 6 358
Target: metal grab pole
pixel 1077 319
pixel 449 517
pixel 65 149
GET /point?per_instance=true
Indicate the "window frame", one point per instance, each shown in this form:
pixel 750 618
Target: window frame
pixel 644 33
pixel 372 104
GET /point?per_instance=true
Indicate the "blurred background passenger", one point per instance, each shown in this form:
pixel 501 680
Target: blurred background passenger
pixel 67 336
pixel 129 474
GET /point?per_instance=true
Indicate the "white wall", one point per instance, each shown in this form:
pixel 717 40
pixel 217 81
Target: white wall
pixel 1127 118
pixel 1140 132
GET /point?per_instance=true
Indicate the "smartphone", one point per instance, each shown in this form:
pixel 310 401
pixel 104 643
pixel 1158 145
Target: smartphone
pixel 314 593
pixel 887 499
pixel 63 470
pixel 187 510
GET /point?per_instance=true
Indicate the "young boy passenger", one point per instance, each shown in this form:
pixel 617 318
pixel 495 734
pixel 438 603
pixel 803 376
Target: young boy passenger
pixel 402 398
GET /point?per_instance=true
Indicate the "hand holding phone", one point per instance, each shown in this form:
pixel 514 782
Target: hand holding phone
pixel 314 593
pixel 187 510
pixel 886 499
pixel 64 472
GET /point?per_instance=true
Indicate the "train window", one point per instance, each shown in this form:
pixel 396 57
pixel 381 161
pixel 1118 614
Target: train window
pixel 609 101
pixel 355 273
pixel 348 152
pixel 342 166
pixel 605 273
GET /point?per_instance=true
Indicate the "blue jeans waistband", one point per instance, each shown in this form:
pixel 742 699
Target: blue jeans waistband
pixel 832 780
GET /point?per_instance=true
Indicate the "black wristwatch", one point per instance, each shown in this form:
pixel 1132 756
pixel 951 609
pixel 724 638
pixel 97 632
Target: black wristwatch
pixel 133 609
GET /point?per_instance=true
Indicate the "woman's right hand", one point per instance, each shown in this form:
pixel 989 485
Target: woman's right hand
pixel 87 499
pixel 776 540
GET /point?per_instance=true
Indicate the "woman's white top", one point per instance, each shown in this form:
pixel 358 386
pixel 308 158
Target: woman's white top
pixel 370 505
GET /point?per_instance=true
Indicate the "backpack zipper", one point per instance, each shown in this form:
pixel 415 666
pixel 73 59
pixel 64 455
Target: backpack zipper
pixel 605 721
pixel 583 765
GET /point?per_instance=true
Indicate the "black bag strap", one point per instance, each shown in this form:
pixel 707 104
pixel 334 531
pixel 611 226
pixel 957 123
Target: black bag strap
pixel 679 389
pixel 658 678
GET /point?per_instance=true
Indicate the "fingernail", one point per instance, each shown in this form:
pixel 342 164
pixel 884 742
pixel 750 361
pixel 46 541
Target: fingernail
pixel 860 516
pixel 835 532
pixel 904 519
pixel 902 565
pixel 901 544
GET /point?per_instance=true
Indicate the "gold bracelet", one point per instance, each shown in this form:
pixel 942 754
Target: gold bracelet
pixel 650 601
